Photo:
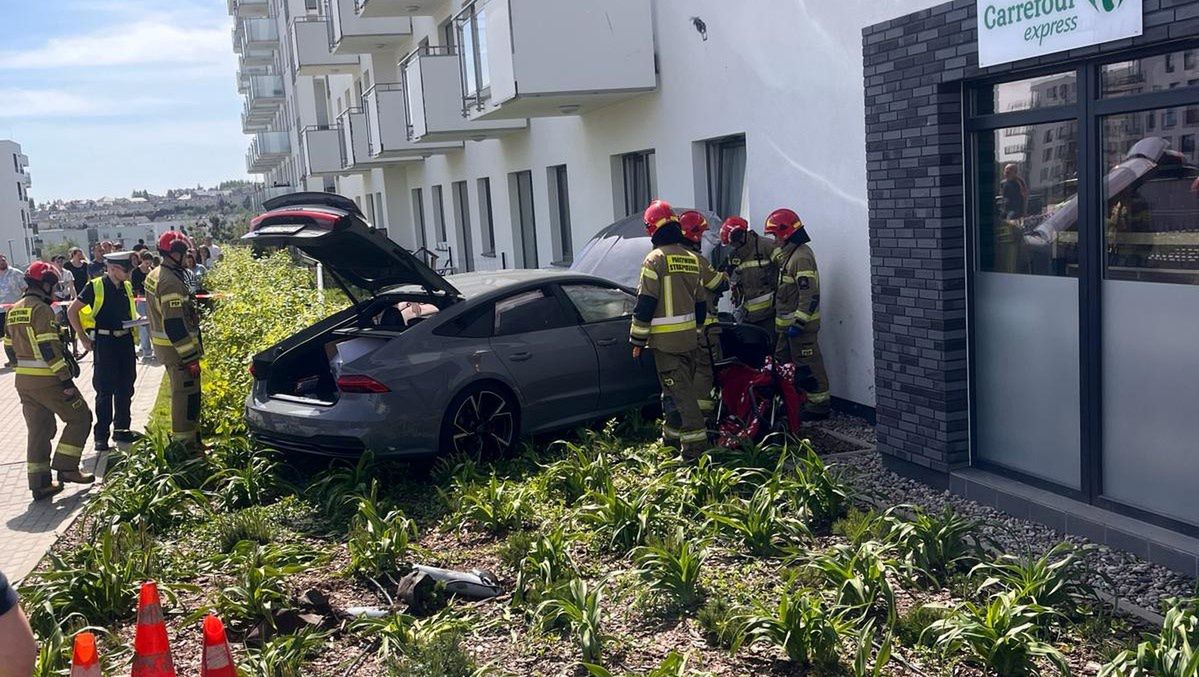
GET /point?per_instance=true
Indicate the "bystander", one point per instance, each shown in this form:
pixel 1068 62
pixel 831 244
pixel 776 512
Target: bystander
pixel 138 279
pixel 12 286
pixel 214 250
pixel 77 266
pixel 18 648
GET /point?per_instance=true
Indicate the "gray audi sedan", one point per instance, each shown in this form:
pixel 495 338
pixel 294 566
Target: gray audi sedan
pixel 420 363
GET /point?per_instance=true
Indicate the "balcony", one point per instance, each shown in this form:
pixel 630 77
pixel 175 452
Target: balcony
pixel 310 49
pixel 352 34
pixel 257 34
pixel 370 9
pixel 355 148
pixel 511 56
pixel 387 126
pixel 267 151
pixel 266 93
pixel 253 122
pixel 321 150
pixel 433 82
pixel 249 9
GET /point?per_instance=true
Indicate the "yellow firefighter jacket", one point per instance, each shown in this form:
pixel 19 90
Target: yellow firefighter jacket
pixel 672 278
pixel 797 300
pixel 755 276
pixel 174 320
pixel 32 339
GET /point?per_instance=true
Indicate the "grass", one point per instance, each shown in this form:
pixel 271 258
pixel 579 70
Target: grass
pixel 615 552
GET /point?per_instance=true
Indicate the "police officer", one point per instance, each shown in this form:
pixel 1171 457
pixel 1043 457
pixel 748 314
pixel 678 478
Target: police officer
pixel 112 307
pixel 175 334
pixel 694 225
pixel 754 276
pixel 46 386
pixel 668 311
pixel 797 310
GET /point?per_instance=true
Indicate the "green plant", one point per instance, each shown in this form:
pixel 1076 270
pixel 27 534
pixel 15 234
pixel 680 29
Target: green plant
pixel 936 546
pixel 674 665
pixel 545 566
pixel 858 577
pixel 1000 635
pixel 624 517
pixel 401 634
pixel 258 591
pixel 672 566
pixel 1055 580
pixel 810 487
pixel 910 627
pixel 145 496
pixel 248 525
pixel 858 526
pixel 576 606
pixel 586 468
pixel 799 625
pixel 378 543
pixel 760 522
pixel 1173 652
pixel 442 656
pixel 711 484
pixel 251 483
pixel 717 622
pixel 284 655
pixel 863 666
pixel 335 489
pixel 497 506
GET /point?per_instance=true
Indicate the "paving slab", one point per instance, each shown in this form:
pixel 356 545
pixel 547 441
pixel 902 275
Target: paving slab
pixel 28 529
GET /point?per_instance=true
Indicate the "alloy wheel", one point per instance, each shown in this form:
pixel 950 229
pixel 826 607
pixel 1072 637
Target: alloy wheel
pixel 484 424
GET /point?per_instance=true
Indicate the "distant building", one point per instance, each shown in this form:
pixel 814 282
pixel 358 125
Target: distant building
pixel 16 226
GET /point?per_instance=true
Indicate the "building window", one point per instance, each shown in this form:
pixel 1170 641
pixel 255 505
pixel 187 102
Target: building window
pixel 466 257
pixel 472 39
pixel 560 213
pixel 485 216
pixel 439 217
pixel 726 175
pixel 418 219
pixel 1040 92
pixel 520 189
pixel 638 180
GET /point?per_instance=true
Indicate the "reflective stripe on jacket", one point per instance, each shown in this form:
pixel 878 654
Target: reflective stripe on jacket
pixel 32 338
pixel 755 276
pixel 674 277
pixel 798 295
pixel 89 320
pixel 174 321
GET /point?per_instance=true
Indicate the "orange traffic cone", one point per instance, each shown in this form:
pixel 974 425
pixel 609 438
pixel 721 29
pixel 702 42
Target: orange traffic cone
pixel 151 650
pixel 85 662
pixel 218 659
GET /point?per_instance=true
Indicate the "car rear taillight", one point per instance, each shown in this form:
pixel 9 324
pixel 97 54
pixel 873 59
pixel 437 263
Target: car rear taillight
pixel 360 384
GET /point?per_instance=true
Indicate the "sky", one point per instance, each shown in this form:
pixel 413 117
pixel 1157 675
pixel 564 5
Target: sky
pixel 111 96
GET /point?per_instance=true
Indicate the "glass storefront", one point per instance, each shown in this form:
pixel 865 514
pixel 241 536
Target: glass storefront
pixel 1085 282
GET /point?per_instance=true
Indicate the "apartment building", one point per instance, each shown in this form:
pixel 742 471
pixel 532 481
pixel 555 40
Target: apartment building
pixel 506 133
pixel 16 226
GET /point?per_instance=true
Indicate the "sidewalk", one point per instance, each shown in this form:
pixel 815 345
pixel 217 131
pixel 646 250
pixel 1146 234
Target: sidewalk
pixel 28 529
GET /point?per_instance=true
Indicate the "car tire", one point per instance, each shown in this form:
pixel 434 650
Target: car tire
pixel 482 421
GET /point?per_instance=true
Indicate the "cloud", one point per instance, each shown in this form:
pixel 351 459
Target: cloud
pixel 150 41
pixel 53 103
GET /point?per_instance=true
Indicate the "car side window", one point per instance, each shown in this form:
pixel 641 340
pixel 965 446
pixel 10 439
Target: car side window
pixel 598 304
pixel 527 312
pixel 476 323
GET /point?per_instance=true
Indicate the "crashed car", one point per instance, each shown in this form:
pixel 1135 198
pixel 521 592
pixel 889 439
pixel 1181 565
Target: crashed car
pixel 422 364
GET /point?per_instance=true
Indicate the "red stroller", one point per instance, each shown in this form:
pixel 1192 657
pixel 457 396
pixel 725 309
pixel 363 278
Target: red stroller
pixel 755 396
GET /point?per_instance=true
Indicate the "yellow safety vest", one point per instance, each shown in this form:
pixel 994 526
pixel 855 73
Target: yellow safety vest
pixel 87 314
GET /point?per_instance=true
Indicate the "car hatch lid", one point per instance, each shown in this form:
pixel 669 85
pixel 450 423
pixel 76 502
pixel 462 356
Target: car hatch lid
pixel 331 229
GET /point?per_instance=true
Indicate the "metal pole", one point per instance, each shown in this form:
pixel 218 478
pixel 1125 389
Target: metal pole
pixel 320 283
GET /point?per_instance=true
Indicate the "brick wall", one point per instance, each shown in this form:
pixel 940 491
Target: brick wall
pixel 914 68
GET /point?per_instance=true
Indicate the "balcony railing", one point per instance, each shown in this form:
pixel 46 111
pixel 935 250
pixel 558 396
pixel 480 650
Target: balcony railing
pixel 387 125
pixel 310 49
pixel 351 34
pixel 370 9
pixel 259 34
pixel 266 92
pixel 267 151
pixel 249 8
pixel 321 149
pixel 355 149
pixel 433 88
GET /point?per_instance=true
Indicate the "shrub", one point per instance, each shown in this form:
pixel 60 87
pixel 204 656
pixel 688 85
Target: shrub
pixel 378 543
pixel 497 506
pixel 799 625
pixel 858 578
pixel 1171 653
pixel 671 567
pixel 253 482
pixel 935 546
pixel 624 517
pixel 258 591
pixel 760 522
pixel 442 656
pixel 576 606
pixel 248 525
pixel 1055 580
pixel 545 566
pixel 999 635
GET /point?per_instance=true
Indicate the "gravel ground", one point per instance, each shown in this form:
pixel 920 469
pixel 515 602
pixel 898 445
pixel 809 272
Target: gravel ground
pixel 1143 583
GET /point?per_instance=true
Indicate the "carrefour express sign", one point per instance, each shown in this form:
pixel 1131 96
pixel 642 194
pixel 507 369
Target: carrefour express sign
pixel 1009 30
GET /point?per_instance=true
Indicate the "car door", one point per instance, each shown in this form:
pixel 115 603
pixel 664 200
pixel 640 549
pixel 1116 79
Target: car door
pixel 606 313
pixel 548 356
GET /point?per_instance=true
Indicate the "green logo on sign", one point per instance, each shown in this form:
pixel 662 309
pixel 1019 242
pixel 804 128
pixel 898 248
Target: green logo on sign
pixel 1106 5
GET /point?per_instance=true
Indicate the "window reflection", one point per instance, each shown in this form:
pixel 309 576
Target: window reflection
pixel 1151 74
pixel 1028 178
pixel 1059 89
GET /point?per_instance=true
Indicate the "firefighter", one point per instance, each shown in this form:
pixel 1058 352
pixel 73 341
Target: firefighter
pixel 693 224
pixel 175 335
pixel 669 309
pixel 112 305
pixel 46 387
pixel 754 275
pixel 797 310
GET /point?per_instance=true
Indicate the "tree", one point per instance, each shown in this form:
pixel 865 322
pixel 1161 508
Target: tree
pixel 49 251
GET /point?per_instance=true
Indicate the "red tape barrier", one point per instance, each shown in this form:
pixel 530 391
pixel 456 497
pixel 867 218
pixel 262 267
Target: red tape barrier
pixel 62 304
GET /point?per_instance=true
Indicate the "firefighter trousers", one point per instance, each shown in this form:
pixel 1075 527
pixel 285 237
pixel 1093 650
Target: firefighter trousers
pixel 683 423
pixel 113 376
pixel 185 404
pixel 42 399
pixel 810 376
pixel 705 378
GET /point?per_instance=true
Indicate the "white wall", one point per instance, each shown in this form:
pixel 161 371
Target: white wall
pixel 12 207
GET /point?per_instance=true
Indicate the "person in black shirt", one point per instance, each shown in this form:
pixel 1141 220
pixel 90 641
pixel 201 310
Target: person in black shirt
pixel 78 267
pixel 1015 194
pixel 111 299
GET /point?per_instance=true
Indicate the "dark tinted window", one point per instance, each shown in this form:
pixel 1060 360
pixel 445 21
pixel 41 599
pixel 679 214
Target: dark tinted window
pixel 527 312
pixel 472 324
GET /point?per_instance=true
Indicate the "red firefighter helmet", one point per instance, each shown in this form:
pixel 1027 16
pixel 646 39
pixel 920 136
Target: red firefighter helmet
pixel 732 225
pixel 783 223
pixel 39 272
pixel 173 242
pixel 693 224
pixel 658 214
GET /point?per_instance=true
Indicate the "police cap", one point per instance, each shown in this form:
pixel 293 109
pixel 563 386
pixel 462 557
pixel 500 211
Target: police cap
pixel 126 260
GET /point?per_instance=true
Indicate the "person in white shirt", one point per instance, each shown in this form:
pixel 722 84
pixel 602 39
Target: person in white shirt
pixel 213 250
